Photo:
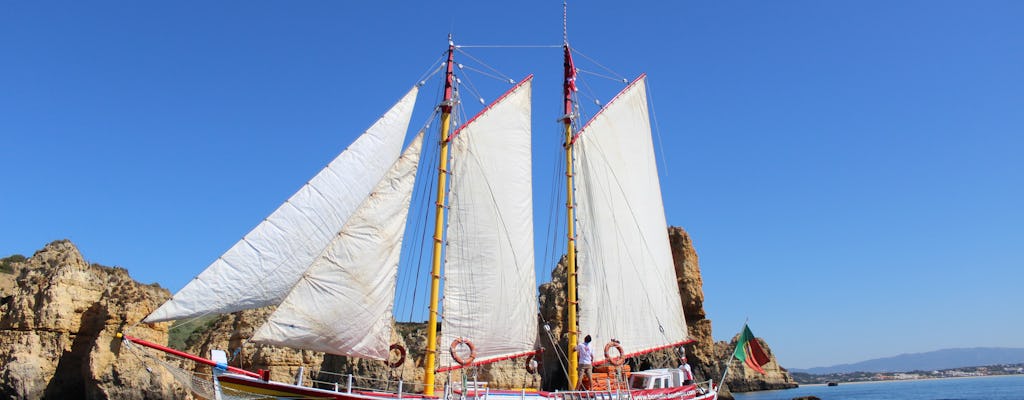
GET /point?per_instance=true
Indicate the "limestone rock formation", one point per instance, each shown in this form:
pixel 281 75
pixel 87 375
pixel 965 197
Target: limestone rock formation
pixel 58 326
pixel 744 379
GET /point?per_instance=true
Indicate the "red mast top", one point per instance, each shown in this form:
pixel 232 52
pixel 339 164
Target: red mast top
pixel 569 86
pixel 446 104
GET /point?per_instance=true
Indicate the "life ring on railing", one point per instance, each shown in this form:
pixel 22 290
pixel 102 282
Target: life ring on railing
pixel 401 355
pixel 617 360
pixel 455 354
pixel 532 364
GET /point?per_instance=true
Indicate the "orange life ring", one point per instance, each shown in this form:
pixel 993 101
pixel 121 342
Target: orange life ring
pixel 532 364
pixel 401 355
pixel 618 360
pixel 455 354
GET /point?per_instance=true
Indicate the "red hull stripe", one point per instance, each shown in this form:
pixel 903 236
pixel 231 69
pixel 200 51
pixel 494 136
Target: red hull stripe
pixel 487 361
pixel 642 352
pixel 305 392
pixel 310 392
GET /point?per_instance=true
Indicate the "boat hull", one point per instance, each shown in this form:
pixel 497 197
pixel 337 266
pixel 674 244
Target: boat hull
pixel 284 390
pixel 274 389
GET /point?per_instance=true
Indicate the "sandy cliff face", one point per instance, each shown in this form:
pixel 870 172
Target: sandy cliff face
pixel 58 326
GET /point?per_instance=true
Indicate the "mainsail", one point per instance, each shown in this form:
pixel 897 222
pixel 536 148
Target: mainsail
pixel 260 269
pixel 627 283
pixel 343 303
pixel 490 286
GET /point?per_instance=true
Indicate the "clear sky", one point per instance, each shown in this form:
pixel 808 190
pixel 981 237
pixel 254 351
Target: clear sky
pixel 851 172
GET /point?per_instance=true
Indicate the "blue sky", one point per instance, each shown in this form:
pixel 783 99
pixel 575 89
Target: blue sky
pixel 850 171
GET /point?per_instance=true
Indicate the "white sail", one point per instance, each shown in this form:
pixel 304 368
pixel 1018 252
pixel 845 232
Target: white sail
pixel 343 303
pixel 627 283
pixel 258 270
pixel 490 287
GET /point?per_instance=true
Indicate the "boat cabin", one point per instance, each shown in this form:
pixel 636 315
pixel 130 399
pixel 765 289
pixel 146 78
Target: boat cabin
pixel 656 379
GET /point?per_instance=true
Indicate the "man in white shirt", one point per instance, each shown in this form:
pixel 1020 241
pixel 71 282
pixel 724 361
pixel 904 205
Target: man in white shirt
pixel 585 356
pixel 687 372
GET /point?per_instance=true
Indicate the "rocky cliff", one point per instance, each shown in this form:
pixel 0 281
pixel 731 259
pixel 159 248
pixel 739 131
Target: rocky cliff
pixel 744 379
pixel 61 314
pixel 707 357
pixel 58 326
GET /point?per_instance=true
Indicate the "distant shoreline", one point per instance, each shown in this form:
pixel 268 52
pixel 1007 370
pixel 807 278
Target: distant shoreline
pixel 910 380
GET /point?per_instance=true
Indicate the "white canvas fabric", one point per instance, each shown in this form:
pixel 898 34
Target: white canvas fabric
pixel 343 303
pixel 261 268
pixel 490 288
pixel 627 283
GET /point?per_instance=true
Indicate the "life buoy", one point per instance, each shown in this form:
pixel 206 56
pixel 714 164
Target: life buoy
pixel 617 360
pixel 532 364
pixel 401 355
pixel 455 354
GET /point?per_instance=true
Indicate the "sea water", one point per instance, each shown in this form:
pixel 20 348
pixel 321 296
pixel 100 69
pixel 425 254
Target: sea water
pixel 1007 387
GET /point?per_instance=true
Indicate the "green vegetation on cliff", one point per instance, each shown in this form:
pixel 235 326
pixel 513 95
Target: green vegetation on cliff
pixel 7 263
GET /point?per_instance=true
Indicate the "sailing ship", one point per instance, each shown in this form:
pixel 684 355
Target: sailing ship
pixel 328 257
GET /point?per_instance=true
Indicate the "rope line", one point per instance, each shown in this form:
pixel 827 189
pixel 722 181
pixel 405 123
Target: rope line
pixel 505 46
pixel 609 70
pixel 657 129
pixel 494 70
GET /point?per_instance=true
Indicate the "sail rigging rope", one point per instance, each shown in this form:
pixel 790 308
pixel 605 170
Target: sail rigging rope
pixel 561 356
pixel 426 173
pixel 556 232
pixel 199 384
pixel 509 46
pixel 657 129
pixel 436 67
pixel 503 77
pixel 472 89
pixel 609 70
pixel 599 75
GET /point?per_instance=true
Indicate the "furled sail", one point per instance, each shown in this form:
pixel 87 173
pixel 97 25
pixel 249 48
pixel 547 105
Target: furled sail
pixel 627 283
pixel 261 268
pixel 343 303
pixel 490 287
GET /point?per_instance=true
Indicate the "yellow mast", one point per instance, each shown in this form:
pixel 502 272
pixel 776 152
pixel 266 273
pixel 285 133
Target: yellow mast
pixel 568 87
pixel 435 274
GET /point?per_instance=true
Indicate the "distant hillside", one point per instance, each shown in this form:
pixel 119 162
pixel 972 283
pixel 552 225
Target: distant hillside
pixel 934 360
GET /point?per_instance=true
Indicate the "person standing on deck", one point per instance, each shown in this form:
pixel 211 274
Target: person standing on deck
pixel 585 355
pixel 687 372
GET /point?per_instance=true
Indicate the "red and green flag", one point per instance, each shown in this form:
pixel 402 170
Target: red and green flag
pixel 749 350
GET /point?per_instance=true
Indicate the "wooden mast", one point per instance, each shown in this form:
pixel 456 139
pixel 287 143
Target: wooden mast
pixel 435 274
pixel 568 87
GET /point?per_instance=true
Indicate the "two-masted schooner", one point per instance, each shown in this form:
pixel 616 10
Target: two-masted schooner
pixel 328 257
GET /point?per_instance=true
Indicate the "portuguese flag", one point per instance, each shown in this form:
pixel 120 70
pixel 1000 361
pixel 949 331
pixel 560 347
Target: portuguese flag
pixel 749 350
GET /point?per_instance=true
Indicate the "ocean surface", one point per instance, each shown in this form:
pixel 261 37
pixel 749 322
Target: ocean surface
pixel 1007 387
